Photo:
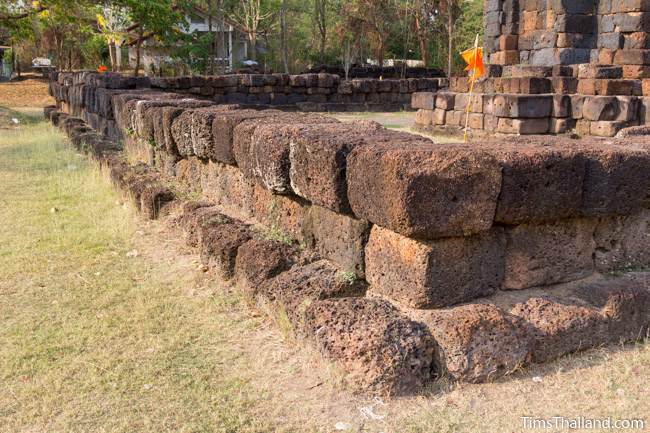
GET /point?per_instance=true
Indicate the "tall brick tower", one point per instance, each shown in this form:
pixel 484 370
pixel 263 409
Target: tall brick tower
pixel 566 32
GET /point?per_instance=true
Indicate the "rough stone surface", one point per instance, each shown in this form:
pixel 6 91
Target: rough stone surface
pixel 295 289
pixel 380 348
pixel 424 190
pixel 197 215
pixel 623 242
pixel 259 260
pixel 434 274
pixel 339 238
pixel 220 242
pixel 154 198
pixel 617 180
pixel 624 302
pixel 265 155
pixel 608 311
pixel 318 160
pixel 541 183
pixel 283 214
pixel 477 342
pixel 202 135
pixel 223 128
pixel 539 255
pixel 181 132
pixel 561 325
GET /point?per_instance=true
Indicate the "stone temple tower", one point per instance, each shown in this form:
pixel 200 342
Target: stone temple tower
pixel 566 32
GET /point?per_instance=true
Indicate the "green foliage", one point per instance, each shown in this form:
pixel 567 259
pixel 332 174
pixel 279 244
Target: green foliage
pixel 347 277
pixel 7 57
pixel 389 29
pixel 468 25
pixel 95 51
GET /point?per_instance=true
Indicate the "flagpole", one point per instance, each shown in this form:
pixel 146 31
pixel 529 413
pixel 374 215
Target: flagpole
pixel 471 89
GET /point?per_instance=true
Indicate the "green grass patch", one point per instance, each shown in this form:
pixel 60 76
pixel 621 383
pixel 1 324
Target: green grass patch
pixel 93 339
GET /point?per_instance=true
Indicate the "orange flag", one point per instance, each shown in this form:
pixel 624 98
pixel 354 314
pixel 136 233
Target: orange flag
pixel 474 60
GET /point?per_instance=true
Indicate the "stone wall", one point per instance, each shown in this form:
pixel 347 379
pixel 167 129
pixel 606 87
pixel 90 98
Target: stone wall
pixel 582 99
pixel 550 32
pixel 308 92
pixel 391 253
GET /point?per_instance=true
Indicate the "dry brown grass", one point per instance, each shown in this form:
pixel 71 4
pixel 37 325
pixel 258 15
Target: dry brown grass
pixel 29 92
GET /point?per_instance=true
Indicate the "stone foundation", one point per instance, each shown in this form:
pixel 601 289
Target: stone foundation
pixel 586 100
pixel 390 253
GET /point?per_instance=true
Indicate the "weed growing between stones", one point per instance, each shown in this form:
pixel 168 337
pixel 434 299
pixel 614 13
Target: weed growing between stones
pixel 347 277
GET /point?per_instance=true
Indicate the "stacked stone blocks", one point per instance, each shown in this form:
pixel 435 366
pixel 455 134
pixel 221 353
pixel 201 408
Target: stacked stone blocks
pixel 407 245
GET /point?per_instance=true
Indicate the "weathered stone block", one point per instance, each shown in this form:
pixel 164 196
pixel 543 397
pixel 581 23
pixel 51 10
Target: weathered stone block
pixel 223 127
pixel 445 100
pixel 423 100
pixel 561 325
pixel 605 128
pixel 477 342
pixel 284 215
pixel 622 242
pixel 561 106
pixel 318 159
pixel 540 183
pixel 259 260
pixel 609 311
pixel 433 274
pixel 181 133
pixel 617 180
pixel 339 238
pixel 380 348
pixel 294 290
pixel 219 244
pixel 523 126
pixel 266 156
pixel 424 190
pixel 523 106
pixel 560 126
pixel 424 117
pixel 541 255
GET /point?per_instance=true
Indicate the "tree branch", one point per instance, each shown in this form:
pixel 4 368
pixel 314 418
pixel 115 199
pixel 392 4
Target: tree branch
pixel 19 16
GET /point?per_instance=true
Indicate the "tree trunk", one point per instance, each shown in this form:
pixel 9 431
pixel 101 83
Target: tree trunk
pixel 422 39
pixel 111 54
pixel 118 58
pixel 210 60
pixel 320 7
pixel 253 47
pixel 283 36
pixel 138 48
pixel 450 40
pixel 222 37
pixel 382 51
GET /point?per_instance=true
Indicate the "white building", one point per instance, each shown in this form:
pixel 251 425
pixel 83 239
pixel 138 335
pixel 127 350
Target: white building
pixel 236 42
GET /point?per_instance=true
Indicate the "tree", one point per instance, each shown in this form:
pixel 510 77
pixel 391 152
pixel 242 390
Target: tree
pixel 283 36
pixel 378 18
pixel 320 18
pixel 112 21
pixel 424 22
pixel 18 10
pixel 252 18
pixel 157 19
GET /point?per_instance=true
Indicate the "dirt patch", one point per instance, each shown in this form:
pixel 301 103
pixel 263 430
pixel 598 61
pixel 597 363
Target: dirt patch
pixel 30 92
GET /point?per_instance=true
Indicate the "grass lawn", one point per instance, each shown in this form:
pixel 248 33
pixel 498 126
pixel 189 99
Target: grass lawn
pixel 107 324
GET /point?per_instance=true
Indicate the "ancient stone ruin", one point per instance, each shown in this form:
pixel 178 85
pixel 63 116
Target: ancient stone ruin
pixel 556 67
pixel 400 259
